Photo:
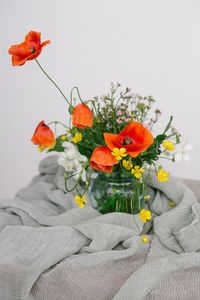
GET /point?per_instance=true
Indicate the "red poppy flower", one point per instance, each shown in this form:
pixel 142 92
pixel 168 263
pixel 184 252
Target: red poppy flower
pixel 102 159
pixel 82 116
pixel 135 138
pixel 43 136
pixel 28 50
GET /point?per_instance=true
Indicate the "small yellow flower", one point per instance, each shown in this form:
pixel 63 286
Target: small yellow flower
pixel 145 239
pixel 119 153
pixel 127 164
pixel 63 138
pixel 41 148
pixel 172 203
pixel 77 138
pixel 168 145
pixel 162 175
pixel 137 171
pixel 80 201
pixel 145 215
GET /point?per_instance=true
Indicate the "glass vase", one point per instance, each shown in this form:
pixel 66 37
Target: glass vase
pixel 117 192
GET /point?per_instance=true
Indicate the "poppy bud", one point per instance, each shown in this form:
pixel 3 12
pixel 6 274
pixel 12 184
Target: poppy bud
pixel 43 136
pixel 82 116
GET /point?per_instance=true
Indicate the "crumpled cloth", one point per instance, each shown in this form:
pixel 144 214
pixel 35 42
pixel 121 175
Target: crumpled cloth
pixel 50 249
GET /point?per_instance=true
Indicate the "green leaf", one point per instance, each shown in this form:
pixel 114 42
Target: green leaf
pixel 160 138
pixel 84 150
pixel 58 146
pixel 177 139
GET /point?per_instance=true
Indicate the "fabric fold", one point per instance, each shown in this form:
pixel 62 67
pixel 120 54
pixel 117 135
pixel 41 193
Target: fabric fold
pixel 50 249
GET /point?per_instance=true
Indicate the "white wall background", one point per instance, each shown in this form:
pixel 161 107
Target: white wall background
pixel 151 46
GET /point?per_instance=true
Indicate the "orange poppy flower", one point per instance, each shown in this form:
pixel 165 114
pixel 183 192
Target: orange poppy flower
pixel 82 116
pixel 43 136
pixel 135 138
pixel 28 50
pixel 102 159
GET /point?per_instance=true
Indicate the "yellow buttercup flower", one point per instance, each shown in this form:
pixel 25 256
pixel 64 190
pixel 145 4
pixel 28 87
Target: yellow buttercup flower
pixel 168 145
pixel 145 215
pixel 127 164
pixel 80 201
pixel 119 153
pixel 162 175
pixel 40 148
pixel 63 138
pixel 172 203
pixel 77 138
pixel 145 239
pixel 137 171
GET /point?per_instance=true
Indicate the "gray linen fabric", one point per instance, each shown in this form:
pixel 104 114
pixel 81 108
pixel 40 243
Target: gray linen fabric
pixel 50 249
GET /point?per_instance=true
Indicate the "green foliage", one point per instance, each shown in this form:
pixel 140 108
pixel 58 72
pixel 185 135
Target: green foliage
pixel 92 138
pixel 58 146
pixel 152 153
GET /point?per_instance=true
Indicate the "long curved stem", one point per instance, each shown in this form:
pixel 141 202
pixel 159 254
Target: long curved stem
pixel 41 68
pixel 78 93
pixel 57 122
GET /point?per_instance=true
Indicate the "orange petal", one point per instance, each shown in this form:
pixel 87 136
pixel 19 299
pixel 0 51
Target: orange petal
pixel 27 50
pixel 43 136
pixel 140 139
pixel 18 61
pixel 111 140
pixel 82 116
pixel 21 50
pixel 101 168
pixel 102 159
pixel 45 43
pixel 35 54
pixel 33 39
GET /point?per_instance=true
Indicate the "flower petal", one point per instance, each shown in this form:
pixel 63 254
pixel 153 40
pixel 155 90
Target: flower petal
pixel 102 159
pixel 82 116
pixel 188 147
pixel 111 140
pixel 27 50
pixel 178 156
pixel 186 156
pixel 137 137
pixel 43 136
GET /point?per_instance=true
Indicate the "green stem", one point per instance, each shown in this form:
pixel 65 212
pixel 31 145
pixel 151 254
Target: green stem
pixel 56 122
pixel 136 224
pixel 71 95
pixel 138 198
pixel 168 125
pixel 162 157
pixel 52 81
pixel 66 187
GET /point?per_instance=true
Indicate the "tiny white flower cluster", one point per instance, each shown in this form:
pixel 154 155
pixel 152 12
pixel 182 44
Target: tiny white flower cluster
pixel 73 161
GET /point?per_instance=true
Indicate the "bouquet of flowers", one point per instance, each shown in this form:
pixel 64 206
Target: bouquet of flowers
pixel 108 148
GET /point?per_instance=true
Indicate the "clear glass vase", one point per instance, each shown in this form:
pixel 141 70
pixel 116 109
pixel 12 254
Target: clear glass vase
pixel 117 192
